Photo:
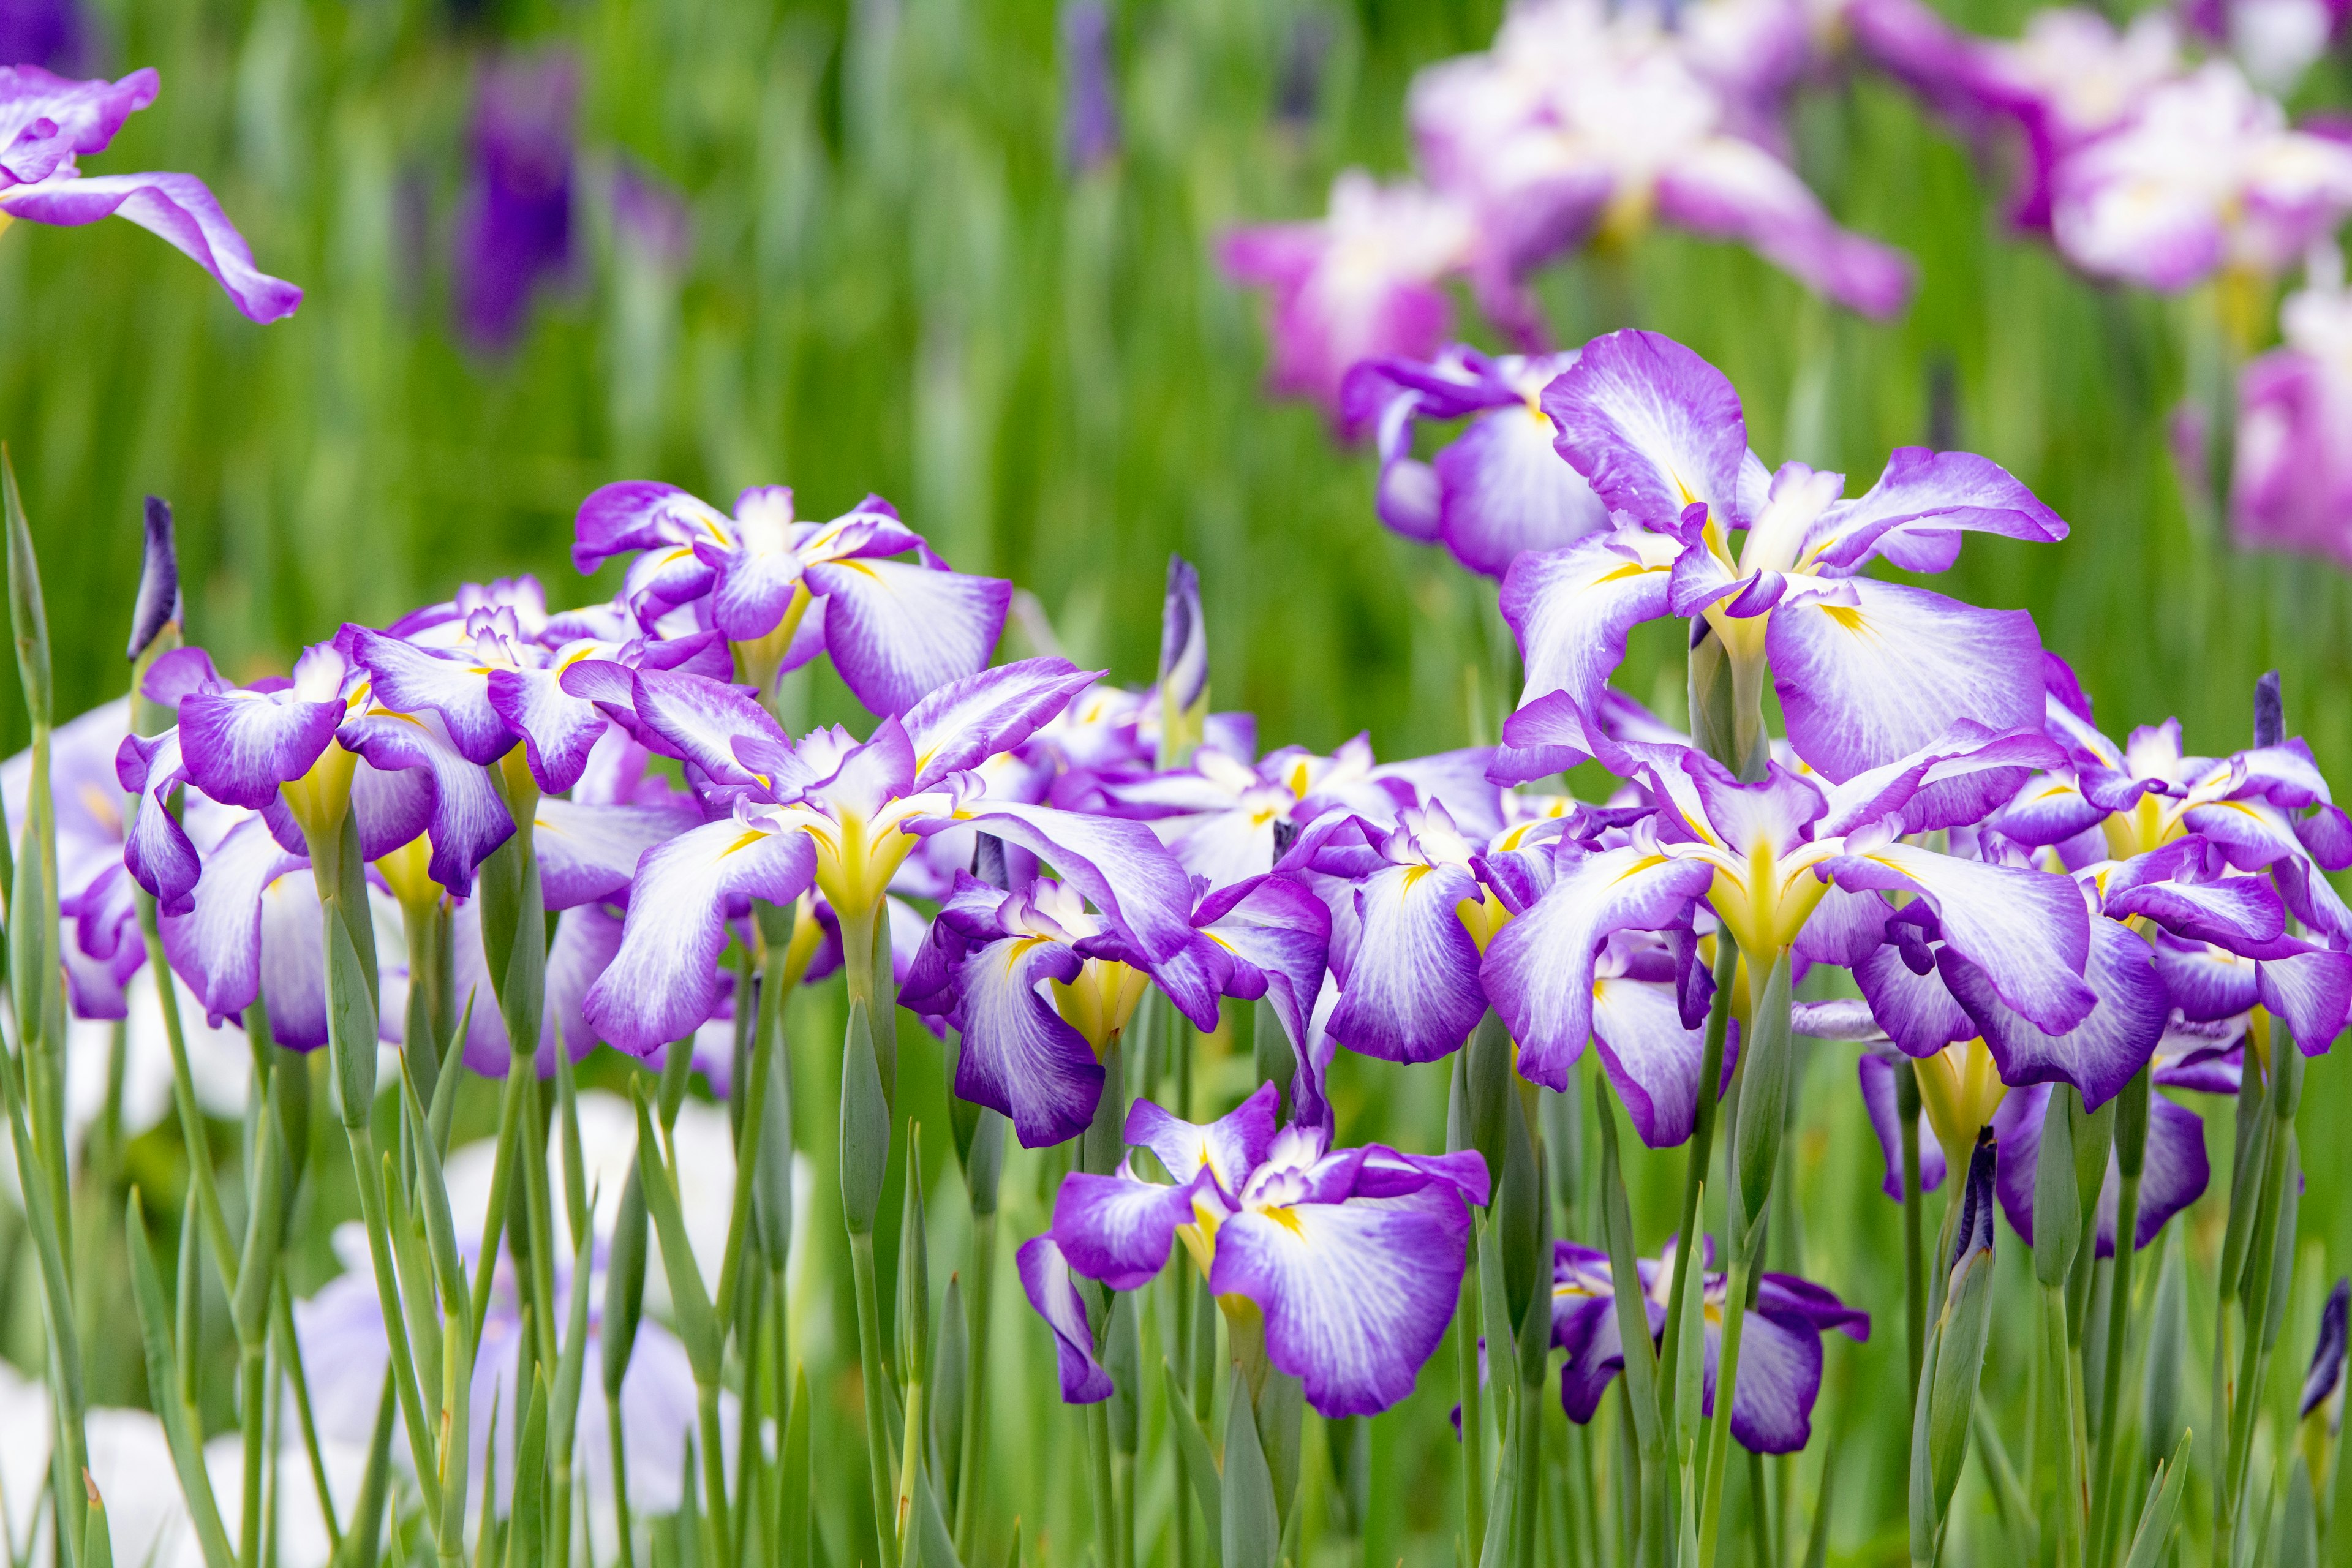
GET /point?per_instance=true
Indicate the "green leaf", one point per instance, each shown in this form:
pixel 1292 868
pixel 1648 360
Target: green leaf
pixel 948 1352
pixel 163 1383
pixel 577 1206
pixel 2154 1531
pixel 351 1022
pixel 96 1543
pixel 526 1518
pixel 1123 1358
pixel 933 1547
pixel 572 1366
pixel 433 1194
pixel 26 614
pixel 31 972
pixel 798 1480
pixel 2057 1204
pixel 914 1270
pixel 1690 1355
pixel 697 1326
pixel 2168 1351
pixel 1195 1460
pixel 1765 1053
pixel 624 1279
pixel 1250 1529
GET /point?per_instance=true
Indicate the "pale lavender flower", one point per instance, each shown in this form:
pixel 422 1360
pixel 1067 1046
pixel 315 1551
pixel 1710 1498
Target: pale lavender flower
pixel 2291 487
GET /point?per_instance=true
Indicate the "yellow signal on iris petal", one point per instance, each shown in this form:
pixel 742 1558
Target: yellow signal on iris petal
pixel 1287 1219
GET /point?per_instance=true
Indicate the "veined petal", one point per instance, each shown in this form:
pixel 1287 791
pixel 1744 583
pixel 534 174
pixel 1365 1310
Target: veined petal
pixel 1915 514
pixel 180 209
pixel 408 679
pixel 1875 678
pixel 2205 982
pixel 1356 1294
pixel 1229 1148
pixel 215 946
pixel 1572 608
pixel 1780 1378
pixel 1651 1058
pixel 1957 779
pixel 470 818
pixel 2311 993
pixel 660 985
pixel 1045 1279
pixel 558 730
pixel 1916 1011
pixel 1652 427
pixel 156 849
pixel 293 971
pixel 2100 1054
pixel 1120 867
pixel 2049 809
pixel 1118 1228
pixel 699 720
pixel 969 719
pixel 2027 931
pixel 2173 1174
pixel 637 514
pixel 1503 488
pixel 239 746
pixel 1537 970
pixel 1019 1056
pixel 1409 988
pixel 588 853
pixel 1279 929
pixel 899 631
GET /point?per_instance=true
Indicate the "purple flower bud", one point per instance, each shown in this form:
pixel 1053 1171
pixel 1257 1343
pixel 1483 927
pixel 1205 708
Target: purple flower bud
pixel 516 228
pixel 158 602
pixel 2326 1374
pixel 1090 114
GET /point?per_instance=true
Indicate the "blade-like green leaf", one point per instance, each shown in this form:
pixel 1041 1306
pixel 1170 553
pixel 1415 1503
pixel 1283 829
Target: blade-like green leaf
pixel 1195 1460
pixel 164 1381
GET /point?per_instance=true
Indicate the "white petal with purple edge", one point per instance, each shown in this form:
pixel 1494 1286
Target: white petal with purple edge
pixel 1019 1056
pixel 589 852
pixel 1229 1148
pixel 968 720
pixel 1504 488
pixel 2100 1054
pixel 240 746
pixel 1410 991
pixel 1651 424
pixel 1045 1279
pixel 180 209
pixel 899 632
pixel 1878 1097
pixel 1654 1060
pixel 408 679
pixel 1120 867
pixel 558 730
pixel 1572 608
pixel 216 947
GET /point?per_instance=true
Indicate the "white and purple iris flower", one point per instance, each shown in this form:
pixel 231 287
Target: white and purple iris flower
pixel 1866 671
pixel 1353 1257
pixel 2291 484
pixel 783 591
pixel 1040 983
pixel 1781 1349
pixel 47 123
pixel 1496 489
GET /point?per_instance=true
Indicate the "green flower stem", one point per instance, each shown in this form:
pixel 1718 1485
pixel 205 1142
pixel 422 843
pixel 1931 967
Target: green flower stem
pixel 628 1552
pixel 2062 1387
pixel 494 1216
pixel 1915 1263
pixel 975 1392
pixel 1727 1384
pixel 70 1448
pixel 747 1156
pixel 869 1364
pixel 213 1221
pixel 1702 1150
pixel 1106 1497
pixel 421 1446
pixel 1647 1434
pixel 289 1346
pixel 252 1381
pixel 2131 1150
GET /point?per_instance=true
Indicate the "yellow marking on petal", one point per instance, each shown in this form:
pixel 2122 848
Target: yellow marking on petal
pixel 1850 616
pixel 748 838
pixel 1288 1220
pixel 1631 569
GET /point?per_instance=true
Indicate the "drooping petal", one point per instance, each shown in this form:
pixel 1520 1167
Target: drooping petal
pixel 899 631
pixel 699 720
pixel 1278 928
pixel 1652 427
pixel 470 818
pixel 1780 1378
pixel 1537 970
pixel 408 679
pixel 660 985
pixel 2205 982
pixel 156 849
pixel 178 208
pixel 239 746
pixel 639 514
pixel 1045 1278
pixel 1878 1097
pixel 1019 1056
pixel 1571 610
pixel 1915 514
pixel 1118 1228
pixel 1119 866
pixel 1870 672
pixel 293 969
pixel 1409 989
pixel 1917 1011
pixel 2100 1054
pixel 216 947
pixel 558 730
pixel 2173 1174
pixel 1654 1061
pixel 2311 992
pixel 1503 488
pixel 1356 1295
pixel 2026 930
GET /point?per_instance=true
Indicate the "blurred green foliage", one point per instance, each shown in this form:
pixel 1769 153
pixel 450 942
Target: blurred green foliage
pixel 895 285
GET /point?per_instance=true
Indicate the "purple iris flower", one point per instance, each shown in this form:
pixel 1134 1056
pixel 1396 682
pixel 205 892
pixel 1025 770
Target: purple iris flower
pixel 1583 122
pixel 783 591
pixel 2071 78
pixel 2324 1381
pixel 46 122
pixel 1228 819
pixel 1867 671
pixel 1780 1358
pixel 2275 40
pixel 1089 113
pixel 54 35
pixel 1354 1256
pixel 2207 176
pixel 1361 282
pixel 1039 983
pixel 94 891
pixel 835 810
pixel 1497 489
pixel 1788 864
pixel 2173 1177
pixel 2291 486
pixel 515 230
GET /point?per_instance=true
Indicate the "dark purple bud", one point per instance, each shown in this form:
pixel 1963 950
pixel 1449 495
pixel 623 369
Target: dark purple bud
pixel 1183 639
pixel 988 861
pixel 516 226
pixel 159 603
pixel 1090 114
pixel 2270 714
pixel 1302 69
pixel 649 215
pixel 2327 1355
pixel 51 34
pixel 1974 1233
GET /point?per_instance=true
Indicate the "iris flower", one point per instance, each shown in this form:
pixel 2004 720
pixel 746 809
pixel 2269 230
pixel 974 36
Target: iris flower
pixel 48 122
pixel 2291 484
pixel 1780 1354
pixel 1352 1257
pixel 1866 671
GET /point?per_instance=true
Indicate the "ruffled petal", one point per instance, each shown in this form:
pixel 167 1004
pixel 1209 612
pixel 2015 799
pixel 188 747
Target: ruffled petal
pixel 215 946
pixel 1019 1056
pixel 180 209
pixel 968 720
pixel 470 818
pixel 899 631
pixel 1229 1148
pixel 239 746
pixel 1915 514
pixel 558 730
pixel 2100 1054
pixel 1653 427
pixel 1045 1279
pixel 1571 610
pixel 2311 992
pixel 1118 1228
pixel 1409 989
pixel 1120 867
pixel 408 679
pixel 1356 1295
